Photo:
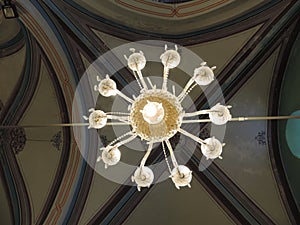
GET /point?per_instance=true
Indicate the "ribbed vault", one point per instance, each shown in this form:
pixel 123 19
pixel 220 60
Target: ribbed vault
pixel 43 55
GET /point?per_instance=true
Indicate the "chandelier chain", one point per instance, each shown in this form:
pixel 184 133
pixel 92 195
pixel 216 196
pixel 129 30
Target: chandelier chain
pixel 166 157
pixel 136 78
pixel 187 92
pixel 118 113
pixel 119 138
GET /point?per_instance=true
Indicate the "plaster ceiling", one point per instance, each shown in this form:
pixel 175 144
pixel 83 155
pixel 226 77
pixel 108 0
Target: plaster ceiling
pixel 45 52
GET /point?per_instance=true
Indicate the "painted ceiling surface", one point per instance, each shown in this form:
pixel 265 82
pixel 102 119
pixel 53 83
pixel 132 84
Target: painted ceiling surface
pixel 45 52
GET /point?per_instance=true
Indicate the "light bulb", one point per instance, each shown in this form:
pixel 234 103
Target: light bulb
pixel 150 110
pixel 153 112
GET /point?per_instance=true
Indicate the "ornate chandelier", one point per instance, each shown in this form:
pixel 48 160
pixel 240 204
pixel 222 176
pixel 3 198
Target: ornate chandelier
pixel 155 116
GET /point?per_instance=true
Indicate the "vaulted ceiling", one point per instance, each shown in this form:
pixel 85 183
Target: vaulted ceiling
pixel 45 52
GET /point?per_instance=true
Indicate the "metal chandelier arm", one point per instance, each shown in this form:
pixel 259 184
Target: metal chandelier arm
pixel 143 162
pixel 199 140
pixel 125 97
pixel 174 161
pixel 141 77
pixel 200 112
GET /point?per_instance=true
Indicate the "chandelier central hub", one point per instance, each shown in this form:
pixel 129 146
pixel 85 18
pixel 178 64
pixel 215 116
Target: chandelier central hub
pixel 156 115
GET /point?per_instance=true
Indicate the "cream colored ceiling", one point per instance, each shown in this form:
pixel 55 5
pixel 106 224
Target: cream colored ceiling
pixel 8 30
pixel 245 161
pixel 11 70
pixel 174 206
pixel 40 159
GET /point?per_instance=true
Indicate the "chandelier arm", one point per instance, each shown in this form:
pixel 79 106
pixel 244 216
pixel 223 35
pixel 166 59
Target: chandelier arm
pixel 143 162
pixel 116 117
pixel 137 79
pixel 174 161
pixel 126 140
pixel 199 140
pixel 165 77
pixel 174 91
pixel 186 88
pixel 151 85
pixel 122 123
pixel 125 122
pixel 139 72
pixel 200 112
pixel 124 119
pixel 197 121
pixel 124 96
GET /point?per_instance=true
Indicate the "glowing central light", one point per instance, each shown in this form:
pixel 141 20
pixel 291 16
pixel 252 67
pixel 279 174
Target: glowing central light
pixel 153 112
pixel 150 110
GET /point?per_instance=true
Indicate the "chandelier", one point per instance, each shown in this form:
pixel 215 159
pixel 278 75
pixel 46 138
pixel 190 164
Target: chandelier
pixel 155 116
